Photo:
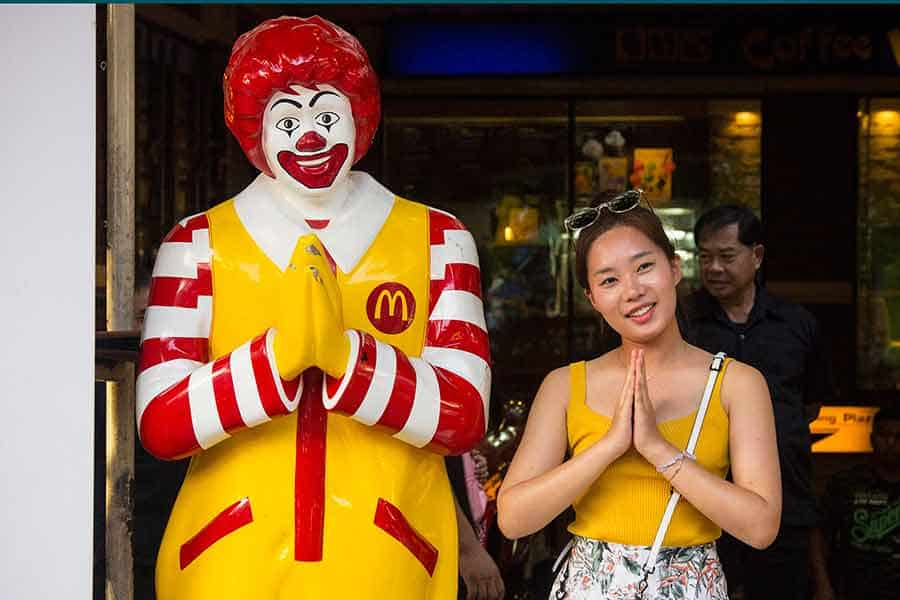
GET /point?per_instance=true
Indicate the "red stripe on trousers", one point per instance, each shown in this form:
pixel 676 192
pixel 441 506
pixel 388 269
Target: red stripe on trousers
pixel 229 520
pixel 399 405
pixel 389 518
pixel 360 377
pixel 309 476
pixel 223 390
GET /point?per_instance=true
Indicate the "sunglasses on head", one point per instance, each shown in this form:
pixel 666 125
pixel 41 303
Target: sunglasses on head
pixel 586 217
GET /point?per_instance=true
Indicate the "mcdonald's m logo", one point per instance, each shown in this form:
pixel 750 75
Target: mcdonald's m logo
pixel 391 307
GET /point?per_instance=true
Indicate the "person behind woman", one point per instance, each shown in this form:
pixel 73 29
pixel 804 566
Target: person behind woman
pixel 625 418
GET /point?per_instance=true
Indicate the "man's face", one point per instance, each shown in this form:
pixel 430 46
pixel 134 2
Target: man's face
pixel 727 267
pixel 309 138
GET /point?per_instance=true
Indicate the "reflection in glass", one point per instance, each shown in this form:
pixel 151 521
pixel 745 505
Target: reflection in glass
pixel 878 242
pixel 501 169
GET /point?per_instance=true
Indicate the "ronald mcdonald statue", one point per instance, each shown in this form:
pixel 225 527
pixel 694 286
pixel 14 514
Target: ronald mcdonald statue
pixel 315 345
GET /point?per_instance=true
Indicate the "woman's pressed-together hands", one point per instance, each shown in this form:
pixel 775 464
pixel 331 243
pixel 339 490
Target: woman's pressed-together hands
pixel 634 420
pixel 542 481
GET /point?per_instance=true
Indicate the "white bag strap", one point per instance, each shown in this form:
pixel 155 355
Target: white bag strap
pixel 714 368
pixel 562 554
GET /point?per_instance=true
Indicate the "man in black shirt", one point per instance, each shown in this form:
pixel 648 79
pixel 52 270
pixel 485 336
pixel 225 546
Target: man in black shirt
pixel 861 530
pixel 735 314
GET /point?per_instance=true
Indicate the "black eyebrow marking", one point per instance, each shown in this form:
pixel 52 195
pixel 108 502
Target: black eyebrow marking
pixel 289 101
pixel 319 95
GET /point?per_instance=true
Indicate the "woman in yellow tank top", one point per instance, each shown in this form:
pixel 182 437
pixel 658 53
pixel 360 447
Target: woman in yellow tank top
pixel 607 436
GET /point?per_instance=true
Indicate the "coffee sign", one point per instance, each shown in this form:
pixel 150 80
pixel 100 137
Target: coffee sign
pixel 768 50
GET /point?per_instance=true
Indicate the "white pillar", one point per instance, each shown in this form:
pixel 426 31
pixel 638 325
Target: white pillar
pixel 47 173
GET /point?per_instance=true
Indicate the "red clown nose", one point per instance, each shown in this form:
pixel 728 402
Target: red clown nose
pixel 310 142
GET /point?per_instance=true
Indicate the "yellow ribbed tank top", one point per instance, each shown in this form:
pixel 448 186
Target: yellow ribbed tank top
pixel 626 503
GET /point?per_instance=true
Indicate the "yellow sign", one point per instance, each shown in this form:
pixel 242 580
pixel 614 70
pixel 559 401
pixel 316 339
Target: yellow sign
pixel 847 429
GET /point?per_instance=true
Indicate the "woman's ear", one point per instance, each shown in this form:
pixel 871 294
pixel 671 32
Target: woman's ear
pixel 676 269
pixel 590 298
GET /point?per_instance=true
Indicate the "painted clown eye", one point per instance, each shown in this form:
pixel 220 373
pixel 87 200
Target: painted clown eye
pixel 327 119
pixel 288 124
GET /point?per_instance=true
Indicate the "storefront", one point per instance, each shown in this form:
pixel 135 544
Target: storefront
pixel 511 122
pixel 512 117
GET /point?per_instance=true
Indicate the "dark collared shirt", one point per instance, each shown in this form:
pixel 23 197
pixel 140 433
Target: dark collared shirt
pixel 782 341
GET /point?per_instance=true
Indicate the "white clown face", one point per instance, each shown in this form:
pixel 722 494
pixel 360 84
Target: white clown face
pixel 309 138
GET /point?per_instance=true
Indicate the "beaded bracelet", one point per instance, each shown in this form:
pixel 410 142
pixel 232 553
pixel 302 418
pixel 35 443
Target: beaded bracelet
pixel 677 459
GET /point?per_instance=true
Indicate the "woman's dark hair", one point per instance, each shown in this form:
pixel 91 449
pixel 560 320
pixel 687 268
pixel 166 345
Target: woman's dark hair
pixel 639 217
pixel 749 226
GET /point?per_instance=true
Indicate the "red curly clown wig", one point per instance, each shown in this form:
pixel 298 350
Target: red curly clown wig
pixel 288 51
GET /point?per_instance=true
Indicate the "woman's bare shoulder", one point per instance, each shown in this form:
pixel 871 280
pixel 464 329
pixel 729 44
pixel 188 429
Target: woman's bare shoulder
pixel 557 379
pixel 555 387
pixel 557 384
pixel 699 356
pixel 745 383
pixel 741 374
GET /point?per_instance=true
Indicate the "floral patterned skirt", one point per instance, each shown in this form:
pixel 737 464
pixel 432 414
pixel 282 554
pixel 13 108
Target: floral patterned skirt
pixel 597 570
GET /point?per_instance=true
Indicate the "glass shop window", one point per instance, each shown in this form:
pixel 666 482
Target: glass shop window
pixel 500 167
pixel 878 245
pixel 687 155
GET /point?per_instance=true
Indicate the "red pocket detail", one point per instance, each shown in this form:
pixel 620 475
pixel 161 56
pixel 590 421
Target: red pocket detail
pixel 231 519
pixel 389 518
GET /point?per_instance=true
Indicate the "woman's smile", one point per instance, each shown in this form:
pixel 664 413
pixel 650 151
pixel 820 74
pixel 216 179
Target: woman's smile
pixel 642 314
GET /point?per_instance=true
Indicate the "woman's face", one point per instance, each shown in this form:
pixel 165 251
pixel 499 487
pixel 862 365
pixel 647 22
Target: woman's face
pixel 632 283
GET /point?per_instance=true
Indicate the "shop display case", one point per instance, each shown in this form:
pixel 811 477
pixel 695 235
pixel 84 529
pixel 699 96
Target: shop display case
pixel 878 248
pixel 502 167
pixel 687 155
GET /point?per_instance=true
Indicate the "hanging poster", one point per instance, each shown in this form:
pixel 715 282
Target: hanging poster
pixel 652 171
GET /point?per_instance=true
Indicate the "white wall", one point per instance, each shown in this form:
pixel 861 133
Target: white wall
pixel 47 112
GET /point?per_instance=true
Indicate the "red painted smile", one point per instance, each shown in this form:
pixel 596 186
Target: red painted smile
pixel 315 171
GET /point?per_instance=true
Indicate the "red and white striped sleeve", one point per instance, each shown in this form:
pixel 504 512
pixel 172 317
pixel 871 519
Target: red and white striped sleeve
pixel 185 402
pixel 440 399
